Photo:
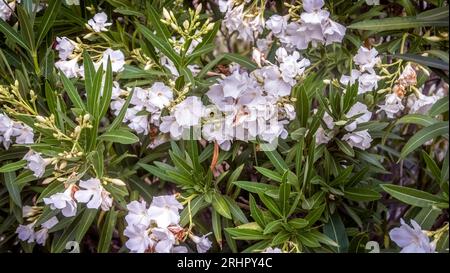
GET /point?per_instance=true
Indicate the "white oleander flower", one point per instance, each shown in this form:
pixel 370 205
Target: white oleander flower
pixel 6 130
pixel 272 250
pixel 36 163
pixel 93 194
pixel 164 240
pixel 24 134
pixel 138 123
pixel 137 213
pixel 277 24
pixel 72 2
pixel 357 109
pixel 160 95
pixel 70 68
pixel 358 139
pixel 164 210
pixel 138 238
pixel 65 47
pixel 116 57
pixel 392 105
pixel 189 112
pixel 333 32
pixel 170 125
pixel 373 2
pixel 203 244
pixel 225 5
pixel 6 9
pixel 63 201
pixel 99 22
pixel 26 232
pixel 411 240
pixel 420 103
pixel 366 59
pixel 367 82
pixel 42 234
pixel 350 80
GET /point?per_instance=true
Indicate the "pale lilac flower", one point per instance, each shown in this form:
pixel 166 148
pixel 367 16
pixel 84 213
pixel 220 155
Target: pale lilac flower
pixel 164 210
pixel 357 109
pixel 411 240
pixel 188 112
pixel 420 103
pixel 366 59
pixel 272 250
pixel 26 232
pixel 203 244
pixel 63 201
pixel 93 194
pixel 70 68
pixel 138 238
pixel 116 57
pixel 99 22
pixel 6 9
pixel 24 134
pixel 160 95
pixel 65 47
pixel 137 213
pixel 392 105
pixel 6 130
pixel 36 163
pixel 358 139
pixel 42 234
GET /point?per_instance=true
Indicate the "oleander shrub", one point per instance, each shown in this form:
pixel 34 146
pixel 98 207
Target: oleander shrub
pixel 224 126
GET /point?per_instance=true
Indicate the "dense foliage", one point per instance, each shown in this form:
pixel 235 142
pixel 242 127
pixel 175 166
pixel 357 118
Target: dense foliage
pixel 224 126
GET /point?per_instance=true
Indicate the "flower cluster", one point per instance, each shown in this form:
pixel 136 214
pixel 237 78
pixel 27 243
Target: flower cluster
pixel 366 59
pixel 22 133
pixel 156 228
pixel 313 27
pixel 357 114
pixel 92 193
pixel 70 52
pixel 27 232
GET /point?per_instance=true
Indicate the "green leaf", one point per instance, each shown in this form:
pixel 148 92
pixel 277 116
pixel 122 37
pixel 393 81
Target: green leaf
pixel 411 196
pixel 235 210
pixel 104 243
pixel 396 23
pixel 161 44
pixel 72 92
pixel 254 187
pixel 298 223
pixel 195 206
pixel 246 234
pixel 432 166
pixel 426 61
pixel 119 118
pixel 283 195
pixel 13 35
pixel 271 205
pixel 344 147
pixel 335 230
pixel 26 27
pixel 256 213
pixel 418 119
pixel 237 58
pixel 48 19
pixel 277 161
pixel 154 17
pixel 427 217
pixel 12 187
pixel 107 91
pixel 274 176
pixel 308 240
pixel 121 136
pixel 439 107
pixel 361 194
pixel 220 205
pixel 272 227
pixel 434 14
pixel 217 227
pixel 13 166
pixel 76 230
pixel 422 136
